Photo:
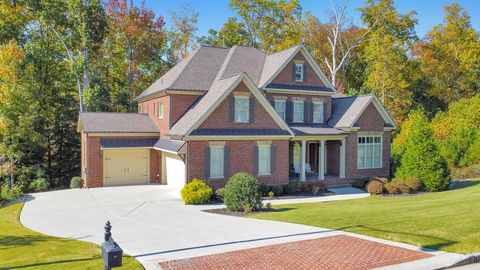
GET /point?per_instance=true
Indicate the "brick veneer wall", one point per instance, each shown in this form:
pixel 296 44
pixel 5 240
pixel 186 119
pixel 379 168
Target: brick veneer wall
pixel 285 76
pixel 369 121
pixel 94 155
pixel 220 117
pixel 148 107
pixel 179 105
pixel 241 160
pixel 308 98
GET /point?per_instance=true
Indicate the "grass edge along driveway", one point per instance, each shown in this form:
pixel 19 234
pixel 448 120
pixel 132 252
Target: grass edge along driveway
pixel 447 221
pixel 21 248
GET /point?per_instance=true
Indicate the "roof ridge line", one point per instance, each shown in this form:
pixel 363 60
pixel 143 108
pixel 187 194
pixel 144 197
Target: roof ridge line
pixel 185 67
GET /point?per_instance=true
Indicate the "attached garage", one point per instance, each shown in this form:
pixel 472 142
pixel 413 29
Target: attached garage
pixel 125 167
pixel 174 170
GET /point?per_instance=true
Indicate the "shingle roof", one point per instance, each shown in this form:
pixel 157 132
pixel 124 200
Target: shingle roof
pixel 207 64
pixel 169 145
pixel 299 87
pixel 319 129
pixel 127 142
pixel 346 109
pixel 116 123
pixel 183 125
pixel 239 132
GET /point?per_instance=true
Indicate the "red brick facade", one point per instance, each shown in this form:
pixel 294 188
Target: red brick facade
pixel 241 160
pixel 220 117
pixel 327 101
pixel 285 76
pixel 151 107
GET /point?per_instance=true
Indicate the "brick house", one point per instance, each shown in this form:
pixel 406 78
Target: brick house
pixel 221 111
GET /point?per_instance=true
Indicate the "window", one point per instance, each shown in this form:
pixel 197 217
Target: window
pixel 280 108
pixel 369 152
pixel 216 161
pixel 298 112
pixel 264 153
pixel 242 107
pixel 160 110
pixel 299 72
pixel 317 112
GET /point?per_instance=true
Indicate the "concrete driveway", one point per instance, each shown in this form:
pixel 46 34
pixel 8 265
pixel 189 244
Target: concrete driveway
pixel 152 225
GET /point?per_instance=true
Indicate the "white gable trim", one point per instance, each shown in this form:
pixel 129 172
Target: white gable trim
pixel 378 105
pixel 259 96
pixel 310 61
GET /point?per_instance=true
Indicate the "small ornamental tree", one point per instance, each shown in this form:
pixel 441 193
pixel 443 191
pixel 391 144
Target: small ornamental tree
pixel 421 157
pixel 242 190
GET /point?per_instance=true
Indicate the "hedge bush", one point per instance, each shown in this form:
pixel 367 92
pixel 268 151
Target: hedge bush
pixel 264 189
pixel 76 182
pixel 291 187
pixel 10 193
pixel 220 193
pixel 38 185
pixel 196 192
pixel 414 183
pixel 241 190
pixel 360 182
pixel 375 187
pixel 277 190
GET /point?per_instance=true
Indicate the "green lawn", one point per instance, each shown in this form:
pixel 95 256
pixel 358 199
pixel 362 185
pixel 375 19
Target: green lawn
pixel 447 221
pixel 21 248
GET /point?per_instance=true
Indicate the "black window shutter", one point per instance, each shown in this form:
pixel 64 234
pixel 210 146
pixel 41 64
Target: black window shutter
pixel 288 111
pixel 293 72
pixel 255 160
pixel 231 101
pixel 273 156
pixel 207 163
pixel 251 107
pixel 304 72
pixel 226 162
pixel 306 111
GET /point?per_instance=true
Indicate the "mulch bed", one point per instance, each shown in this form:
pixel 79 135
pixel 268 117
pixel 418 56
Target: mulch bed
pixel 225 211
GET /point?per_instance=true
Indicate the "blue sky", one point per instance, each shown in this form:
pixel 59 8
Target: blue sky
pixel 213 13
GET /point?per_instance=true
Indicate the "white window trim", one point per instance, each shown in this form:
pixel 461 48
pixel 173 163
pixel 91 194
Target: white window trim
pixel 283 101
pixel 303 111
pixel 160 110
pixel 217 146
pixel 268 159
pixel 248 109
pixel 381 150
pixel 322 119
pixel 299 73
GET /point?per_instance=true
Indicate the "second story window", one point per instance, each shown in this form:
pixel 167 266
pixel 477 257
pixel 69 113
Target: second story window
pixel 317 112
pixel 280 108
pixel 299 72
pixel 242 108
pixel 160 110
pixel 298 111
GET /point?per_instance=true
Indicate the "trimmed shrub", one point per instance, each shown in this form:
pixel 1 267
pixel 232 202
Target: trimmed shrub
pixel 421 157
pixel 392 188
pixel 9 194
pixel 375 187
pixel 271 194
pixel 76 182
pixel 220 193
pixel 196 192
pixel 316 189
pixel 291 187
pixel 264 189
pixel 414 183
pixel 277 190
pixel 380 179
pixel 38 185
pixel 242 189
pixel 401 186
pixel 307 186
pixel 360 182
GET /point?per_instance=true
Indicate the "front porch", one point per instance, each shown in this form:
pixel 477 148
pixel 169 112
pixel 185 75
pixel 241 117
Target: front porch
pixel 318 158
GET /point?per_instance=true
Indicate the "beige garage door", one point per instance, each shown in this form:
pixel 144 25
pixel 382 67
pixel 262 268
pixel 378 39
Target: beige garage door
pixel 125 167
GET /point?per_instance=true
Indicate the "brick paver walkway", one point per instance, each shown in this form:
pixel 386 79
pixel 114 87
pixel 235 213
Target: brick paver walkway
pixel 335 252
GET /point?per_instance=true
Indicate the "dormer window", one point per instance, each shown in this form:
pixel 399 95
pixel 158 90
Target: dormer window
pixel 299 70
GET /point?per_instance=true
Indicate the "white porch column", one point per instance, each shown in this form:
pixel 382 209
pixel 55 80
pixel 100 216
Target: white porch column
pixel 321 160
pixel 342 159
pixel 302 160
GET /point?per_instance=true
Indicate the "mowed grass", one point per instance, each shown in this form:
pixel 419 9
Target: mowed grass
pixel 448 221
pixel 21 248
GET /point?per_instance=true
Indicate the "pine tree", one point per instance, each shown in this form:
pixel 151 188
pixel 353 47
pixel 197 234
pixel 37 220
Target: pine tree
pixel 421 157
